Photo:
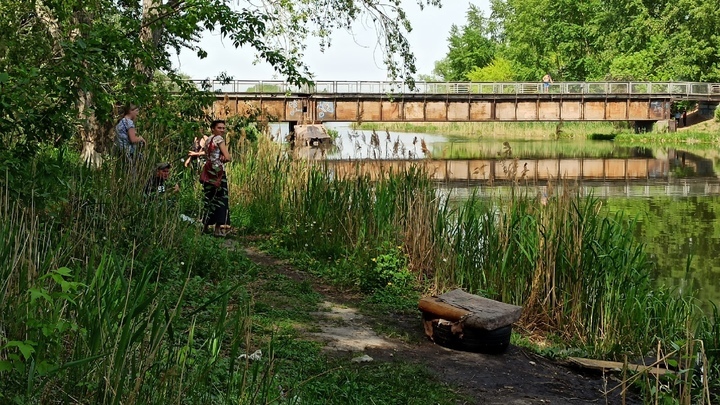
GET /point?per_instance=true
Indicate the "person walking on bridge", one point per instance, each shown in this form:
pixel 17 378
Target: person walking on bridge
pixel 547 79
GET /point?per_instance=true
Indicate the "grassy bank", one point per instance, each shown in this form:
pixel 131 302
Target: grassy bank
pixel 108 297
pixel 688 137
pixel 499 130
pixel 577 271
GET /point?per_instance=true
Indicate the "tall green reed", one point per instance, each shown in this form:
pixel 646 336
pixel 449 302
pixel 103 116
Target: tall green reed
pixel 95 305
pixel 576 271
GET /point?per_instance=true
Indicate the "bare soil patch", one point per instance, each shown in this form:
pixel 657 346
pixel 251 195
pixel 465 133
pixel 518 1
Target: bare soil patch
pixel 513 378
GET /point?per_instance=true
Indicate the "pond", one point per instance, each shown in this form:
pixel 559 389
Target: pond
pixel 677 211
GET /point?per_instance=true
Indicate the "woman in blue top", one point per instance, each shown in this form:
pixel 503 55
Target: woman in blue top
pixel 126 139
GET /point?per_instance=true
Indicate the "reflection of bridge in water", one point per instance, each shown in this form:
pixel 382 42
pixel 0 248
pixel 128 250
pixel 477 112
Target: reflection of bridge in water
pixel 621 189
pixel 677 164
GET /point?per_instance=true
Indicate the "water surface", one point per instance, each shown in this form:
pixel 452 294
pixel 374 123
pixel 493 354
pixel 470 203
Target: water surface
pixel 676 214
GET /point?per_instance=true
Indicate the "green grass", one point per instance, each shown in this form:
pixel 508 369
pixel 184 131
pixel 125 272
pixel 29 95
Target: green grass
pixel 578 272
pixel 498 130
pixel 109 298
pixel 671 138
pixel 534 149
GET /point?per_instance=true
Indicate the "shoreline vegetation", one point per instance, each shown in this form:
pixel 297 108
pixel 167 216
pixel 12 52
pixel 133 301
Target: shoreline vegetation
pixel 115 299
pixel 705 133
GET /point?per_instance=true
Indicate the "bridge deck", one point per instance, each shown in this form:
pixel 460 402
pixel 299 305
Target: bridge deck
pixel 458 102
pixel 684 90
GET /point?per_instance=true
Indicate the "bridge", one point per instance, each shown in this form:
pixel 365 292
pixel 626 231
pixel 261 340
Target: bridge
pixel 380 101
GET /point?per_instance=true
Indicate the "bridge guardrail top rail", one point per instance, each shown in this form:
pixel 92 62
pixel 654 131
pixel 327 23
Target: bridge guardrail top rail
pixel 673 89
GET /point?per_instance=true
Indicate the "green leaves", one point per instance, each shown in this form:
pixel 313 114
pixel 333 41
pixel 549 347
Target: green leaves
pixel 591 40
pixel 471 46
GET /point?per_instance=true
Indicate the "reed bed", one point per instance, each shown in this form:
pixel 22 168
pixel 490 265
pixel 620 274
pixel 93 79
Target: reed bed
pixel 490 149
pixel 99 304
pixel 577 271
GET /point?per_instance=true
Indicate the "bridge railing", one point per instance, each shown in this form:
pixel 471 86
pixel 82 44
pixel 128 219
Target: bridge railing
pixel 678 89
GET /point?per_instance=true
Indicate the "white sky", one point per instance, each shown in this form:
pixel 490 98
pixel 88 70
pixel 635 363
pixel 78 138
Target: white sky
pixel 352 56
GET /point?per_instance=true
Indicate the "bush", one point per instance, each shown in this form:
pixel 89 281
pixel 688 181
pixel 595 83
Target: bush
pixel 388 268
pixel 717 113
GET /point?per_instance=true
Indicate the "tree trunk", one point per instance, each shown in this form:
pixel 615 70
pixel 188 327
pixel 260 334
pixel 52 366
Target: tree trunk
pixel 90 132
pixel 150 34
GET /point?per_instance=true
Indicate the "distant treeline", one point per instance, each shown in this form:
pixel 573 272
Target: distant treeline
pixel 586 40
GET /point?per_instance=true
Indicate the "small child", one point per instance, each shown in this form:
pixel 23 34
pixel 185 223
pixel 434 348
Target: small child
pixel 156 184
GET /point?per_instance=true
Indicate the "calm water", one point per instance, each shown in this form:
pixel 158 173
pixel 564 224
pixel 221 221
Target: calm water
pixel 677 216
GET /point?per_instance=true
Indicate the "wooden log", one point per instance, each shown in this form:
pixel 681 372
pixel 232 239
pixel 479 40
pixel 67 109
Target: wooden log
pixel 435 306
pixel 471 310
pixel 617 366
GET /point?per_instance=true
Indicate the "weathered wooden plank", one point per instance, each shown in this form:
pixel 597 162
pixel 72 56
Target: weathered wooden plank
pixel 471 310
pixel 617 366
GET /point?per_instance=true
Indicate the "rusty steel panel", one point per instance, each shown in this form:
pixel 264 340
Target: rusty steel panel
pixel 294 110
pixel 616 110
pixel 657 110
pixel 658 168
pixel 547 169
pixel 507 169
pixel 458 170
pixel 228 106
pixel 570 168
pixel 343 169
pixel 512 169
pixel 435 111
pixel 593 168
pixel 436 169
pixel 325 110
pixel 572 110
pixel 637 168
pixel 414 111
pixel 549 111
pixel 458 111
pixel 639 110
pixel 224 107
pixel 594 110
pixel 614 168
pixel 274 108
pixel 526 169
pixel 505 111
pixel 371 110
pixel 347 111
pixel 397 166
pixel 370 168
pixel 481 111
pixel 244 107
pixel 219 111
pixel 391 111
pixel 527 111
pixel 480 169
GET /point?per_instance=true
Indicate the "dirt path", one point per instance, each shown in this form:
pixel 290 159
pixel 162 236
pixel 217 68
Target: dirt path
pixel 513 378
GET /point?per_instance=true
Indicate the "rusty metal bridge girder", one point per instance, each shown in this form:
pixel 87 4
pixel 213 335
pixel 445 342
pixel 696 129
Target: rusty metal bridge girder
pixel 460 102
pixel 436 109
